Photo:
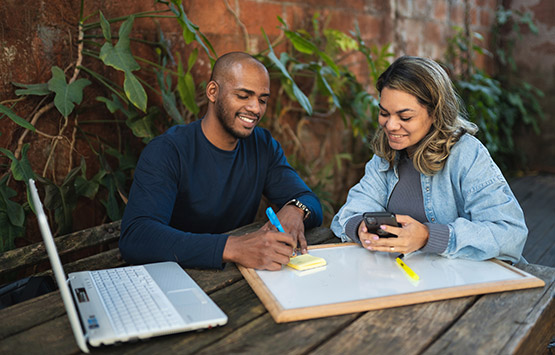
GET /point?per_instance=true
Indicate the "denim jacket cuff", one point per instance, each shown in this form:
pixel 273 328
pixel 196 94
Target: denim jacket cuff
pixel 438 239
pixel 351 227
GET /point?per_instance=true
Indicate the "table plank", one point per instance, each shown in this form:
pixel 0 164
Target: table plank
pixel 51 337
pixel 213 280
pixel 504 321
pixel 401 330
pixel 264 336
pixel 26 315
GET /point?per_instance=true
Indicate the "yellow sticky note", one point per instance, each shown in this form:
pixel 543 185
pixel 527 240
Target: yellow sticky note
pixel 306 262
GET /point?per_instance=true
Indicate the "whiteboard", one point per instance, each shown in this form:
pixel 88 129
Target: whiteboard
pixel 356 279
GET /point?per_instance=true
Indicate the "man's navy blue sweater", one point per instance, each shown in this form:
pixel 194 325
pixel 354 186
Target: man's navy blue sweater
pixel 186 193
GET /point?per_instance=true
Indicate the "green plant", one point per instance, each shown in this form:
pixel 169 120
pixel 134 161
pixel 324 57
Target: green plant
pixel 315 60
pixel 315 87
pixel 108 185
pixel 501 103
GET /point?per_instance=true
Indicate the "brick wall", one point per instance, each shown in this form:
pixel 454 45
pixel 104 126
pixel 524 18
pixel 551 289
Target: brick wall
pixel 415 27
pixel 535 55
pixel 37 34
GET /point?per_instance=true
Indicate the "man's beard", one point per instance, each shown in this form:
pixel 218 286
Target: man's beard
pixel 226 119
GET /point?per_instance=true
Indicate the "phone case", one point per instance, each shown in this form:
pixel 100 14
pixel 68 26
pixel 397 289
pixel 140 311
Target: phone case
pixel 374 220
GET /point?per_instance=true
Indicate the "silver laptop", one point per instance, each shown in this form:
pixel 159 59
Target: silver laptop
pixel 128 303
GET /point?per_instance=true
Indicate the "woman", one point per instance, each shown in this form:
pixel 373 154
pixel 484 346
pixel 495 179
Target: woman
pixel 449 196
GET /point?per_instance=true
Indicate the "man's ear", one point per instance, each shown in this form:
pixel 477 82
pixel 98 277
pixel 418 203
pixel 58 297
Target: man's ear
pixel 212 90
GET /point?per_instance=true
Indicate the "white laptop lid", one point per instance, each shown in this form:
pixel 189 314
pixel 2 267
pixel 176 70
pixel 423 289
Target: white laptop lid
pixel 57 269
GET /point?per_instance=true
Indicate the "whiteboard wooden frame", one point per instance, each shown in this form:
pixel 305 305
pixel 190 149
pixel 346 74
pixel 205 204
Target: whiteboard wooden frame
pixel 522 280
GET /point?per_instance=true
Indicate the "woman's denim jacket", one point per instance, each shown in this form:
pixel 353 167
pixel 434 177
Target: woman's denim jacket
pixel 469 195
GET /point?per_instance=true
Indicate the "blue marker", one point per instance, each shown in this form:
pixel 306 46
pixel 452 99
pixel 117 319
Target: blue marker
pixel 274 220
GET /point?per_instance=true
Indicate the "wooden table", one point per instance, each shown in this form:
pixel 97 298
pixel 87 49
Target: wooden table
pixel 502 323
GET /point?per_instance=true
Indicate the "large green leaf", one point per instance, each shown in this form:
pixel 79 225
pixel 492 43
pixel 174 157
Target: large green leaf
pixel 191 31
pixel 8 232
pixel 301 97
pixel 135 91
pixel 88 188
pixel 143 126
pixel 168 96
pixel 12 115
pixel 111 203
pixel 120 56
pixel 105 25
pixel 61 199
pixel 67 95
pixel 186 85
pixel 300 43
pixel 21 169
pixel 326 58
pixel 32 89
pixel 329 88
pixel 14 210
pixel 112 105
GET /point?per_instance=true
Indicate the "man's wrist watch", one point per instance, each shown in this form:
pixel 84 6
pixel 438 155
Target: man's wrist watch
pixel 301 206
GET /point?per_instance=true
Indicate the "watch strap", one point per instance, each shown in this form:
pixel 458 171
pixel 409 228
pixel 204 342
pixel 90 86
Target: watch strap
pixel 301 206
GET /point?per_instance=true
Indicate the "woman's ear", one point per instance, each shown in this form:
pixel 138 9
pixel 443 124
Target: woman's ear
pixel 212 90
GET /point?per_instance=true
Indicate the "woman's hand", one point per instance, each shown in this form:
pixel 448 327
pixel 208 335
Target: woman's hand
pixel 411 236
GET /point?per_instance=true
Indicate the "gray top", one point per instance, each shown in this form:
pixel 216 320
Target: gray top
pixel 407 199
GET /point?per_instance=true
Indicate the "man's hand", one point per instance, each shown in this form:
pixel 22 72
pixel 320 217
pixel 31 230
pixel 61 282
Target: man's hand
pixel 263 249
pixel 291 218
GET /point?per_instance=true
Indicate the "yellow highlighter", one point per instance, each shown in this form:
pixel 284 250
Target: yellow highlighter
pixel 407 269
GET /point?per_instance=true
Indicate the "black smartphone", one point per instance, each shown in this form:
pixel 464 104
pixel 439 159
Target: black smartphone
pixel 374 220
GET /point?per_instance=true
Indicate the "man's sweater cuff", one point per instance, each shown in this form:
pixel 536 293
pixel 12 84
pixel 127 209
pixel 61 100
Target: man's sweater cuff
pixel 438 239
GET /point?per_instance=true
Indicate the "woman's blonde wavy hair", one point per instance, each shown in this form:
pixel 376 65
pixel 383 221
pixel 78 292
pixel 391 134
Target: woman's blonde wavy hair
pixel 429 83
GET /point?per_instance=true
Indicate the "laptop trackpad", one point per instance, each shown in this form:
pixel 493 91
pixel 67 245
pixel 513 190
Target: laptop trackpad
pixel 186 297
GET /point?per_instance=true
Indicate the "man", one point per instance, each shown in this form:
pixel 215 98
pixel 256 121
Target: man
pixel 197 181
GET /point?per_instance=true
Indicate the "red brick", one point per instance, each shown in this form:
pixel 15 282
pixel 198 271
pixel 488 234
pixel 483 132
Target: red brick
pixel 440 11
pixel 411 34
pixel 378 6
pixel 298 17
pixel 473 16
pixel 404 8
pixel 486 18
pixel 212 17
pixel 433 32
pixel 319 4
pixel 420 8
pixel 544 12
pixel 255 15
pixel 372 27
pixel 228 43
pixel 456 13
pixel 493 4
pixel 342 21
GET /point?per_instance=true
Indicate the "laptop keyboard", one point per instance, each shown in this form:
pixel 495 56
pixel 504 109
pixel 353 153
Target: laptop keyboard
pixel 134 302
